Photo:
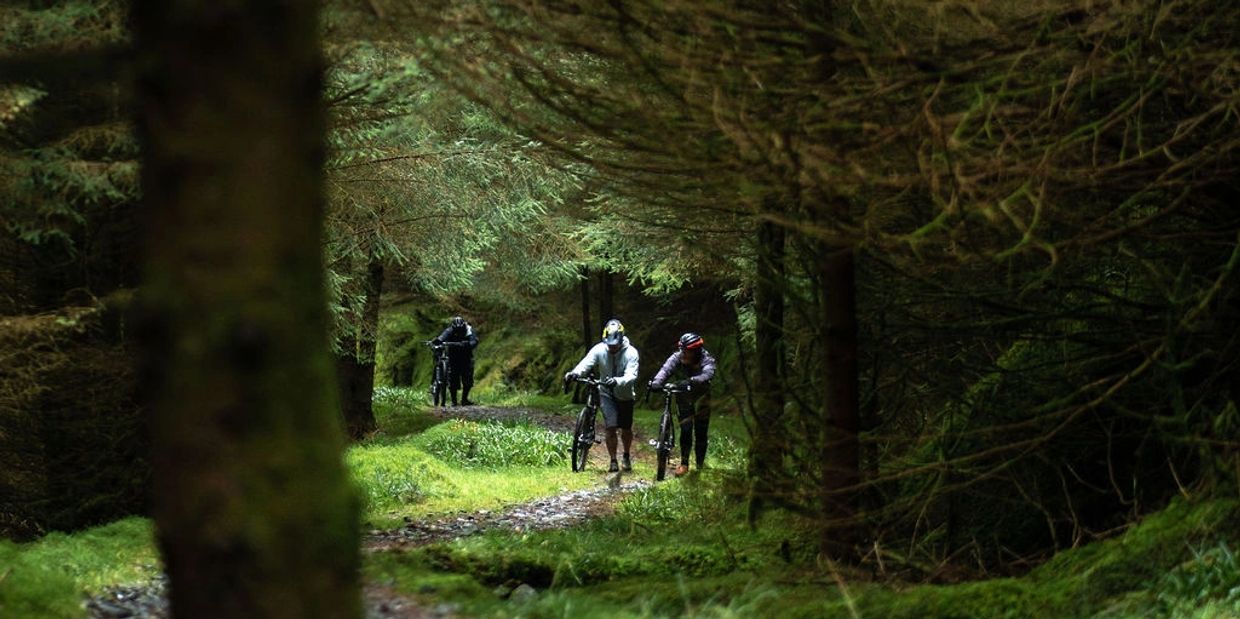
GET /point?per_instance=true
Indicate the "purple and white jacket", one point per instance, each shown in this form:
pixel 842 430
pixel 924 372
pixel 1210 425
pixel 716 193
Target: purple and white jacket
pixel 698 374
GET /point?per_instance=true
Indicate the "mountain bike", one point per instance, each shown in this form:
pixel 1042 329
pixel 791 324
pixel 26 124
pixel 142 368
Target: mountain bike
pixel 439 373
pixel 667 427
pixel 583 433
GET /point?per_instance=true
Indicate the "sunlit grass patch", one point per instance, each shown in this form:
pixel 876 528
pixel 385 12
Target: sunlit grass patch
pixel 47 578
pixel 401 411
pixel 495 445
pixel 553 403
pixel 402 478
pixel 392 475
pixel 493 489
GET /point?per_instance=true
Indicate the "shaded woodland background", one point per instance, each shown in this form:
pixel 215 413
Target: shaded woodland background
pixel 971 263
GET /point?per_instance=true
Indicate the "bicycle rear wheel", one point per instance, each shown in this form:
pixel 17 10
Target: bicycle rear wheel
pixel 663 448
pixel 581 440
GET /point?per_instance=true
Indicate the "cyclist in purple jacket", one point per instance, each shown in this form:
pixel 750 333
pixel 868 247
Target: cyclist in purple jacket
pixel 695 367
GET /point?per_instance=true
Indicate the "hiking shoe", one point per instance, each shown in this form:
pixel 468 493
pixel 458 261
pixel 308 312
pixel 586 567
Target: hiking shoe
pixel 614 468
pixel 681 470
pixel 467 402
pixel 628 464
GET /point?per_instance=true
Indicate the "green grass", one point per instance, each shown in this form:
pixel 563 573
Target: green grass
pixel 678 548
pixel 552 403
pixel 683 548
pixel 393 470
pixel 48 577
pixel 418 466
pixel 495 445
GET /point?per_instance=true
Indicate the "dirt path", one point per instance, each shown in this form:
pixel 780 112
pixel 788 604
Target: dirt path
pixel 150 601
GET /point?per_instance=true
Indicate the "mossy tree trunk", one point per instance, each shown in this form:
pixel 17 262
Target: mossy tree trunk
pixel 254 511
pixel 355 367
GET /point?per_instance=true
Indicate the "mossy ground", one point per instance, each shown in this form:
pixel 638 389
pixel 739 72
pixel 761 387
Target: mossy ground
pixel 49 577
pixel 683 548
pixel 680 548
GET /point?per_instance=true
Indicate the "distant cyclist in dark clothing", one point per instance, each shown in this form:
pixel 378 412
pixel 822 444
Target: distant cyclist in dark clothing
pixel 461 341
pixel 694 366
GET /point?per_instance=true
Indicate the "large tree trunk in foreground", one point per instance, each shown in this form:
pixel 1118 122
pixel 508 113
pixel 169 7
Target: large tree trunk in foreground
pixel 766 450
pixel 356 366
pixel 841 463
pixel 254 512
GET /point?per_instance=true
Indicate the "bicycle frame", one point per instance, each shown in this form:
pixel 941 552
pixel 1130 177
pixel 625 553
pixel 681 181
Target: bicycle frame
pixel 583 433
pixel 666 440
pixel 439 373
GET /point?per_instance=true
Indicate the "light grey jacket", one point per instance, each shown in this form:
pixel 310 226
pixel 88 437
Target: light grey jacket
pixel 622 366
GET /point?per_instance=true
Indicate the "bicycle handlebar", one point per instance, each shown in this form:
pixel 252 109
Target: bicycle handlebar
pixel 433 344
pixel 585 380
pixel 668 388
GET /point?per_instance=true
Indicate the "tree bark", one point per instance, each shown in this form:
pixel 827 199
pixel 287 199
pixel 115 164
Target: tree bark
pixel 587 326
pixel 254 512
pixel 767 448
pixel 841 462
pixel 355 367
pixel 606 297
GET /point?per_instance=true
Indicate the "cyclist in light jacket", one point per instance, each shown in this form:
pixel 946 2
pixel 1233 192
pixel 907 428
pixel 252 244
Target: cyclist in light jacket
pixel 614 361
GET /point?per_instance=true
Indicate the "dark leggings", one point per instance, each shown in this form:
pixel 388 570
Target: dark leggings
pixel 694 422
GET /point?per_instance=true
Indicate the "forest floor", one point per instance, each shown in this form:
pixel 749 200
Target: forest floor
pixel 473 512
pixel 565 509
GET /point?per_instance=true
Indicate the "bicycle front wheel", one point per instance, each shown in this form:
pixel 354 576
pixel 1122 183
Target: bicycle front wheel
pixel 582 440
pixel 438 393
pixel 663 448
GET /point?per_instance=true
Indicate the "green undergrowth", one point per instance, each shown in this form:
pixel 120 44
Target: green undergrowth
pixel 495 445
pixel 48 577
pixel 401 479
pixel 418 465
pixel 683 548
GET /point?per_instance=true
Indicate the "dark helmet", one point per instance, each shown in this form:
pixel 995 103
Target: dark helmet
pixel 613 332
pixel 690 341
pixel 458 322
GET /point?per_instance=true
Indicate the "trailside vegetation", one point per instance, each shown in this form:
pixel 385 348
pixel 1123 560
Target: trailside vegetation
pixel 945 211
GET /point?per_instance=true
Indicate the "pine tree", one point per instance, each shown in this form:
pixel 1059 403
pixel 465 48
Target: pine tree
pixel 254 511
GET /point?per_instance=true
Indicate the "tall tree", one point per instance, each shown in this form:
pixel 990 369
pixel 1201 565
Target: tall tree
pixel 766 452
pixel 355 363
pixel 254 512
pixel 606 295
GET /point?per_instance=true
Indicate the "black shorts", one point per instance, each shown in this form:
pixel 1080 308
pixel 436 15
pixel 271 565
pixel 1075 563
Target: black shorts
pixel 616 413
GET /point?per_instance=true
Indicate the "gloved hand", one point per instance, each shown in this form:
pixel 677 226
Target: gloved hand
pixel 610 381
pixel 653 386
pixel 570 377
